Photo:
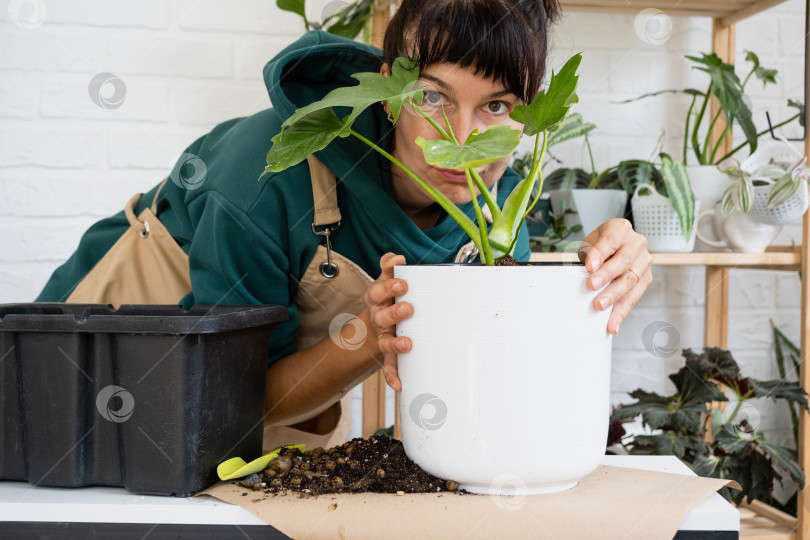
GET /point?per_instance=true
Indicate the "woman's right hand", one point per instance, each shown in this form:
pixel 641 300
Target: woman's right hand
pixel 384 314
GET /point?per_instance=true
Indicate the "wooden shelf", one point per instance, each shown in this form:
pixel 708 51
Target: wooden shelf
pixel 727 12
pixel 776 259
pixel 761 522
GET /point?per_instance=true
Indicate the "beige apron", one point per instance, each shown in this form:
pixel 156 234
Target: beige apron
pixel 332 285
pixel 145 265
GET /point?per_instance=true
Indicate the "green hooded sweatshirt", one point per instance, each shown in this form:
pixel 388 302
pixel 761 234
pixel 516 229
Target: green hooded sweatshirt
pixel 250 241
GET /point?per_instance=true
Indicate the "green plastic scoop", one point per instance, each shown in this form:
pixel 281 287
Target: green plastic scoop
pixel 237 468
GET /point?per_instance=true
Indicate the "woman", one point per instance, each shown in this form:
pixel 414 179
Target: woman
pixel 305 240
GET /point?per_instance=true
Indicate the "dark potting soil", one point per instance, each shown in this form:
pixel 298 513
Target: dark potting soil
pixel 507 261
pixel 377 465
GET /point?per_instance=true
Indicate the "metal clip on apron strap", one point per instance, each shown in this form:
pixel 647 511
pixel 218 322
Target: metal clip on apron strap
pixel 129 211
pixel 327 213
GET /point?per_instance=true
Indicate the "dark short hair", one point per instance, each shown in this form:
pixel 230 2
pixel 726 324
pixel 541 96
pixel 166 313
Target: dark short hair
pixel 503 39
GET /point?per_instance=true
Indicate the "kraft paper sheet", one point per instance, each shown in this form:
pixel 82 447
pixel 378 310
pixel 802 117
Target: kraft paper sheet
pixel 610 503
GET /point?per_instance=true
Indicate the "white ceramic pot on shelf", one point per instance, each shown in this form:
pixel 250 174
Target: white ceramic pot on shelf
pixel 708 185
pixel 736 232
pixel 507 386
pixel 592 206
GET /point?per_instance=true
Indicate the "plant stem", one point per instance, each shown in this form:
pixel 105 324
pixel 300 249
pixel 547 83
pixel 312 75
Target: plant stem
pixel 486 252
pixel 704 154
pixel 698 120
pixel 761 133
pixel 490 200
pixel 740 401
pixel 433 122
pixel 590 154
pixel 449 127
pixel 686 129
pixel 717 146
pixel 538 157
pixel 461 218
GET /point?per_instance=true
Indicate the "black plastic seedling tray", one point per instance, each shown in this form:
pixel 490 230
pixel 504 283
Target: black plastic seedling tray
pixel 151 398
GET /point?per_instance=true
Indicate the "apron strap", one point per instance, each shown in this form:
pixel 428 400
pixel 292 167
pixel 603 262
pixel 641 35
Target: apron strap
pixel 129 210
pixel 154 201
pixel 323 192
pixel 327 213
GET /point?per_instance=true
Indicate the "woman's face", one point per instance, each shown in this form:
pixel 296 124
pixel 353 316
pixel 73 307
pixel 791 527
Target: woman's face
pixel 470 102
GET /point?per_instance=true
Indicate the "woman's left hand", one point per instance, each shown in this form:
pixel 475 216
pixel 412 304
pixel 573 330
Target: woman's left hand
pixel 615 253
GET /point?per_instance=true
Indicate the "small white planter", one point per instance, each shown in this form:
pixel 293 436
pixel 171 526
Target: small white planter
pixel 787 211
pixel 507 386
pixel 593 207
pixel 656 219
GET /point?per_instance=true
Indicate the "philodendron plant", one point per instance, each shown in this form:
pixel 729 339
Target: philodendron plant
pixel 313 127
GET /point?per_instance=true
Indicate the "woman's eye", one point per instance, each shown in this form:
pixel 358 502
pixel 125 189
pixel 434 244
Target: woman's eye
pixel 497 107
pixel 433 98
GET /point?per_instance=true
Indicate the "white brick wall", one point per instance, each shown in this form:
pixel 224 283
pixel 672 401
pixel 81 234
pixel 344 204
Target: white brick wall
pixel 187 65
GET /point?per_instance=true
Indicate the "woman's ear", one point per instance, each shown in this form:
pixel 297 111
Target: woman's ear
pixel 385 71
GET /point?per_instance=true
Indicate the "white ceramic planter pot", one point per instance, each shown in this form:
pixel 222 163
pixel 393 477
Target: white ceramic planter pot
pixel 708 185
pixel 507 386
pixel 593 207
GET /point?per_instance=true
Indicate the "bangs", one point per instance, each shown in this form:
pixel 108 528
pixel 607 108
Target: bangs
pixel 499 39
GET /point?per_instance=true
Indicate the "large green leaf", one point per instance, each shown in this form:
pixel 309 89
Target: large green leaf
pixel 479 149
pixel 564 178
pixel 655 409
pixel 310 134
pixel 349 22
pixel 800 106
pixel 763 74
pixel 713 363
pixel 680 194
pixel 707 465
pixel 726 86
pixel 783 458
pixel 665 444
pixel 570 128
pixel 551 105
pixel 295 6
pixel 628 175
pixel 372 88
pixel 779 389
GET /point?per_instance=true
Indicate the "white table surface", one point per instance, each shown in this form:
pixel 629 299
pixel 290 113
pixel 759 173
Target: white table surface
pixel 21 502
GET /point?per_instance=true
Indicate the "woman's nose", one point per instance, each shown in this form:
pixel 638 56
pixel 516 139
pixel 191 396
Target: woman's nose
pixel 464 124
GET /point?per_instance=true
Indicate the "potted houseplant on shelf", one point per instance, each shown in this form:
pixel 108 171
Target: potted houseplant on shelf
pixel 586 200
pixel 771 184
pixel 666 212
pixel 473 379
pixel 707 182
pixel 711 442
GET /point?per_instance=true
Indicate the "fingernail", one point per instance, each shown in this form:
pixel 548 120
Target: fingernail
pixel 402 310
pixel 401 345
pixel 399 287
pixel 604 301
pixel 594 264
pixel 618 325
pixel 597 282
